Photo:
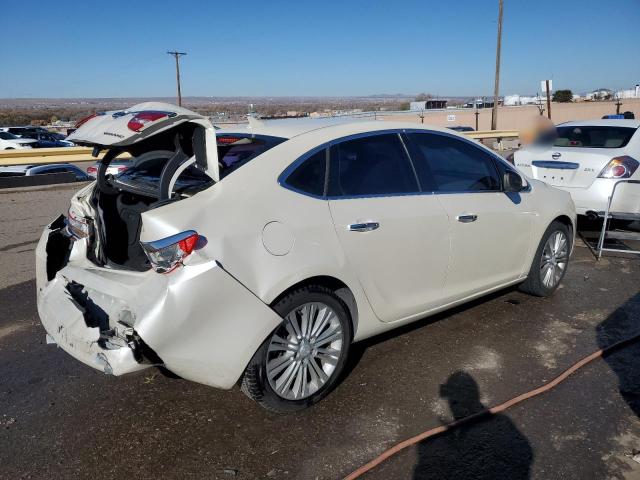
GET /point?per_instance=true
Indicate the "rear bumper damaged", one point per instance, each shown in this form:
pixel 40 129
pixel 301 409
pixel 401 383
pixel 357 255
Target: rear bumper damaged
pixel 199 322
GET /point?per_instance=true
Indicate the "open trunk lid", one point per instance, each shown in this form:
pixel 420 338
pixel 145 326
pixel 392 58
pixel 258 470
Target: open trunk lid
pixel 128 129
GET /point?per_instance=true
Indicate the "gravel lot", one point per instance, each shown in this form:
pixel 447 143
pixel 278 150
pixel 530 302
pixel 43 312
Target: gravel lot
pixel 61 419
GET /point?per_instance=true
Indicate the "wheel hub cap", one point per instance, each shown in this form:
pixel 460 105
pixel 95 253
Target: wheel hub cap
pixel 304 351
pixel 555 255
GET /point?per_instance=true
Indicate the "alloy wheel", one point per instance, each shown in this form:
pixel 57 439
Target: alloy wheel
pixel 304 351
pixel 554 259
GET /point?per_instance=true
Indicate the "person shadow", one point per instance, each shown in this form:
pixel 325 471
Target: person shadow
pixel 491 447
pixel 620 325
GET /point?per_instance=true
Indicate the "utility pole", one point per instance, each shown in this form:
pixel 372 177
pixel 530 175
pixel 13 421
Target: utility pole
pixel 618 104
pixel 548 100
pixel 496 86
pixel 477 114
pixel 177 55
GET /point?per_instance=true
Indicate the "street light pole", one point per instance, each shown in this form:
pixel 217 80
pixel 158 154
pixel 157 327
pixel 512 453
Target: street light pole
pixel 496 86
pixel 177 55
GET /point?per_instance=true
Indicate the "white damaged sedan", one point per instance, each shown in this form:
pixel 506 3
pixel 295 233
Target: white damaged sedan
pixel 259 255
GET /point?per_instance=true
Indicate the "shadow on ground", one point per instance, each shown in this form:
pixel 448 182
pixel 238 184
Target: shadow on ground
pixel 491 448
pixel 620 325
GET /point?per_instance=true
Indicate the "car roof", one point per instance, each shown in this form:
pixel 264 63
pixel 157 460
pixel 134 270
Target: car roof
pixel 15 168
pixel 338 126
pixel 602 123
pixel 286 127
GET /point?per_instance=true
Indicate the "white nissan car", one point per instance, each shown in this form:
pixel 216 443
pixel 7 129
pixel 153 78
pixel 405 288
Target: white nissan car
pixel 258 256
pixel 586 159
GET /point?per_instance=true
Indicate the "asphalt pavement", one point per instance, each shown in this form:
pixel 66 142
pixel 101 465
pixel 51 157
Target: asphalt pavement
pixel 61 419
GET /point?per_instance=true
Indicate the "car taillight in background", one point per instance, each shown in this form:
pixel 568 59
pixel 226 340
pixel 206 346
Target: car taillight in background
pixel 121 168
pixel 92 170
pixel 167 254
pixel 620 167
pixel 143 119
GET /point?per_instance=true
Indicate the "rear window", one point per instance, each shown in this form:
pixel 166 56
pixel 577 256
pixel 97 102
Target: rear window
pixel 235 151
pixel 593 136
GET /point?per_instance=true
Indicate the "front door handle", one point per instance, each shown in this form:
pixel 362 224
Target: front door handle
pixel 363 227
pixel 467 218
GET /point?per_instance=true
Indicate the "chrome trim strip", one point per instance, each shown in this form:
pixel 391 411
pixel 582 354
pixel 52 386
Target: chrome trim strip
pixel 555 164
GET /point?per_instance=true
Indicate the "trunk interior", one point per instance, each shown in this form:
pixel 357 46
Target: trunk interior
pixel 119 223
pixel 119 201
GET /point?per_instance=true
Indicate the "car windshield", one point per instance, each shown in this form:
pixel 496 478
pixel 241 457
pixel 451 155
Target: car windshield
pixel 7 136
pixel 592 136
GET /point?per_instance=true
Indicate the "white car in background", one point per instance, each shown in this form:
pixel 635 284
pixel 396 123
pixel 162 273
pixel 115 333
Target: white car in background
pixel 259 255
pixel 586 159
pixel 8 141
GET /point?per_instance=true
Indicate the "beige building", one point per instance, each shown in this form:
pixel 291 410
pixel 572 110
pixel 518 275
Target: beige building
pixel 519 117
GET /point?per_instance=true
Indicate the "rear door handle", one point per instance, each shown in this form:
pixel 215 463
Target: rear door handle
pixel 467 218
pixel 363 227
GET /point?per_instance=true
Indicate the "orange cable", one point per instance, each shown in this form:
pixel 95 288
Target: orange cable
pixel 493 410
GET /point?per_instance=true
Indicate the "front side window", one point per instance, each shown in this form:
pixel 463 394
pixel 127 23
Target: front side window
pixel 453 165
pixel 309 176
pixel 372 165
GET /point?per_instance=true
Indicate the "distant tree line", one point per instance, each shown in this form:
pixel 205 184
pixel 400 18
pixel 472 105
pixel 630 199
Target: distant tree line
pixel 43 115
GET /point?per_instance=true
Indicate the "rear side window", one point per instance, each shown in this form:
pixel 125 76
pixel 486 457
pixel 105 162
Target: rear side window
pixel 593 137
pixel 373 165
pixel 452 165
pixel 235 151
pixel 309 176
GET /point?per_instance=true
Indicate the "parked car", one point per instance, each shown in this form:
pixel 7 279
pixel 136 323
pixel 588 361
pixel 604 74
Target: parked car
pixel 461 129
pixel 586 159
pixel 115 167
pixel 49 140
pixel 263 268
pixel 8 141
pixel 24 132
pixel 29 170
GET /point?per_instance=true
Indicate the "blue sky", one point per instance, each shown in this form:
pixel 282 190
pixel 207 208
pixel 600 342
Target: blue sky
pixel 351 47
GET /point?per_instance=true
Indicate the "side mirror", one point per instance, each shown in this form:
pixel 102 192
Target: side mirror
pixel 513 182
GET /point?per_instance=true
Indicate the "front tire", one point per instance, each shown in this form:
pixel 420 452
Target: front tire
pixel 550 262
pixel 303 359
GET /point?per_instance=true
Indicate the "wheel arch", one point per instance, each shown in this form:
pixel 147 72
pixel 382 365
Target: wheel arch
pixel 338 287
pixel 566 220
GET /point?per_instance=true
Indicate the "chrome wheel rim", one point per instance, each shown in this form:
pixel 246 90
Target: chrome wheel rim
pixel 304 351
pixel 554 259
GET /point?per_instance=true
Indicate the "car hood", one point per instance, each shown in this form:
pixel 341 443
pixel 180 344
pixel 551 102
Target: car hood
pixel 111 129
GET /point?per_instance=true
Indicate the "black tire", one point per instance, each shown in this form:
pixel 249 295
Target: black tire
pixel 255 382
pixel 534 285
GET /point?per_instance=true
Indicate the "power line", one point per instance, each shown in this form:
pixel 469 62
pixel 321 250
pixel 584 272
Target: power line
pixel 177 55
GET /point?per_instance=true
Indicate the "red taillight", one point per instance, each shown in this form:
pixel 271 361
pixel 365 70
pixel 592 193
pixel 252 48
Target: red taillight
pixel 167 254
pixel 142 119
pixel 227 140
pixel 84 120
pixel 122 168
pixel 620 167
pixel 92 170
pixel 188 244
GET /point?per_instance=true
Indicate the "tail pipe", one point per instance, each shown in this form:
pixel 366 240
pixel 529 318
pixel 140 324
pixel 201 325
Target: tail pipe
pixel 591 215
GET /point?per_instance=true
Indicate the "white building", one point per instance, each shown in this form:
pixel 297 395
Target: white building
pixel 629 93
pixel 512 100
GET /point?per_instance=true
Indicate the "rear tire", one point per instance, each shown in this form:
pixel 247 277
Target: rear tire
pixel 550 262
pixel 304 357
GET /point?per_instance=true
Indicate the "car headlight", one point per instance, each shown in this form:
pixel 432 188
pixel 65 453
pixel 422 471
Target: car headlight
pixel 77 225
